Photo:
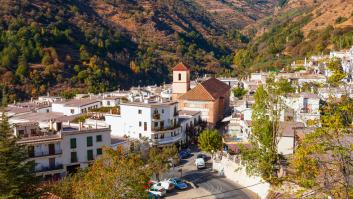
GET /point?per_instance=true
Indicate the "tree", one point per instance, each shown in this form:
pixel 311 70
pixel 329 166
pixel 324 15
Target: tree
pixel 210 141
pixel 159 160
pixel 239 92
pixel 261 157
pixel 324 159
pixel 16 173
pixel 337 72
pixel 113 175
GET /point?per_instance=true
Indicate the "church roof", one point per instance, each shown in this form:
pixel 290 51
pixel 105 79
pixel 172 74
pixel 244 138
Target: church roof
pixel 180 67
pixel 208 90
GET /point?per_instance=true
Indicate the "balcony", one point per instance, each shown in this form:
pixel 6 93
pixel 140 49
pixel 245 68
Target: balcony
pixel 44 154
pixel 168 140
pixel 162 129
pixel 156 116
pixel 49 168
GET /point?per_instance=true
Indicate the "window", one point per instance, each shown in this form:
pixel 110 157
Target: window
pixel 72 111
pixel 89 155
pixel 73 143
pixel 179 77
pixel 145 126
pixel 140 111
pixel 89 141
pixel 21 132
pixel 162 110
pixel 73 157
pixel 31 151
pixel 99 138
pixel 108 103
pixel 33 131
pixel 162 136
pixel 155 124
pixel 99 151
pixel 140 124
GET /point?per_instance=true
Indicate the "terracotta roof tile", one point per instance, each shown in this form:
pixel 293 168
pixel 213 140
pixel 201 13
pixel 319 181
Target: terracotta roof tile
pixel 208 90
pixel 180 67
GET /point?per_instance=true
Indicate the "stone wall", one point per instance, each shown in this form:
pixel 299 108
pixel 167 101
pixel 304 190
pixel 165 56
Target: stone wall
pixel 230 167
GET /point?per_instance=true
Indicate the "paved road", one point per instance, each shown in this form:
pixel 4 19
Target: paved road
pixel 208 184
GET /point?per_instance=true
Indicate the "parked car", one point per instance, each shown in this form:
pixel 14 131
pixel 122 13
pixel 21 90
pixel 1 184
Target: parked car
pixel 200 163
pixel 203 156
pixel 178 183
pixel 157 191
pixel 184 154
pixel 152 196
pixel 168 186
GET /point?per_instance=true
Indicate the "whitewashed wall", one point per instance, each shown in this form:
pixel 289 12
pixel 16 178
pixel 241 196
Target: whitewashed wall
pixel 235 172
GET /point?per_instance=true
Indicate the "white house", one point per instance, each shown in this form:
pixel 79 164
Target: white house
pixel 59 149
pixel 82 145
pixel 76 106
pixel 306 106
pixel 111 101
pixel 155 121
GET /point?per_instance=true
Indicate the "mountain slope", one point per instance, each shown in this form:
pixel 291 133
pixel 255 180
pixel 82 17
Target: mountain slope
pixel 238 13
pixel 301 28
pixel 100 45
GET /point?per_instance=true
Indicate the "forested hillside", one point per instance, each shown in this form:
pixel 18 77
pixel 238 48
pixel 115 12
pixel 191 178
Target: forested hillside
pixel 64 46
pixel 99 45
pixel 300 28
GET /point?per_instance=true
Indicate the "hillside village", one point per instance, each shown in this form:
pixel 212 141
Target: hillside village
pixel 65 134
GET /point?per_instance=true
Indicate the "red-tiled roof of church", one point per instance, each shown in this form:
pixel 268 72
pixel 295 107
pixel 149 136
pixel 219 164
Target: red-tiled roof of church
pixel 208 90
pixel 180 67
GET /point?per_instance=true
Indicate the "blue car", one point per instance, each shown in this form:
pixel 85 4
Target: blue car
pixel 152 196
pixel 184 154
pixel 178 183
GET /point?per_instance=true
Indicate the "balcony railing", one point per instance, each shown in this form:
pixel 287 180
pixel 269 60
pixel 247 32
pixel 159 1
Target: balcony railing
pixel 50 168
pixel 44 153
pixel 165 128
pixel 167 140
pixel 156 116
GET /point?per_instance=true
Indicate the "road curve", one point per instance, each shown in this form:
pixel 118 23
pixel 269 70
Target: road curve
pixel 209 185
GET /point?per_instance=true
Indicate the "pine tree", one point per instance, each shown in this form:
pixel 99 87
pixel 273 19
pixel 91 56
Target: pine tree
pixel 16 174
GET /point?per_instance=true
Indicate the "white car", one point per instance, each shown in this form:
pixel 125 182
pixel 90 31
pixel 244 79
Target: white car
pixel 200 163
pixel 166 185
pixel 158 191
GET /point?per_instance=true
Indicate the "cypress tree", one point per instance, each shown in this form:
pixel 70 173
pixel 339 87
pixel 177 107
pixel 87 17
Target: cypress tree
pixel 16 173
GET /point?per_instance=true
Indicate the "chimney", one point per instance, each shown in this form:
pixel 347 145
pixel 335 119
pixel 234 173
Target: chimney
pixel 50 124
pixel 57 126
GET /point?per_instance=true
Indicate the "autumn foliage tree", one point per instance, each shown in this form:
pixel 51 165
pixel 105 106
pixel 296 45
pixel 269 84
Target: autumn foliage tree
pixel 323 162
pixel 113 175
pixel 160 160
